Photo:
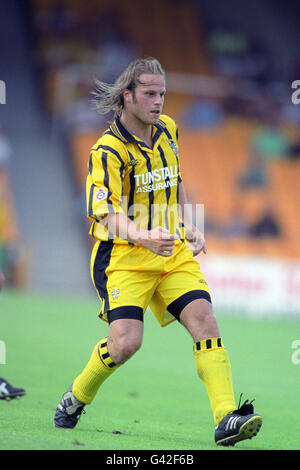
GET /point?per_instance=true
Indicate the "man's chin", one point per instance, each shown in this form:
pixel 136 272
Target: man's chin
pixel 155 119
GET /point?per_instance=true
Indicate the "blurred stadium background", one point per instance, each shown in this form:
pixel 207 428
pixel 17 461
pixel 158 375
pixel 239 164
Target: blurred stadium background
pixel 230 69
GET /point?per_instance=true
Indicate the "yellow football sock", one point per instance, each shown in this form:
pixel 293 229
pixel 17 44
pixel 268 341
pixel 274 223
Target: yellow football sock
pixel 99 367
pixel 213 367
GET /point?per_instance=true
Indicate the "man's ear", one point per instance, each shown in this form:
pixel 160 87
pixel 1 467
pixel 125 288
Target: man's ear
pixel 127 96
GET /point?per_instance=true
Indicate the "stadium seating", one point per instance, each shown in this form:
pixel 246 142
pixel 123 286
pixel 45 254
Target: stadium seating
pixel 186 52
pixel 211 164
pixel 219 159
pixel 212 160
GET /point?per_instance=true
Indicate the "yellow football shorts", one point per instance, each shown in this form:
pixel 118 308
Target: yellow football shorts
pixel 128 275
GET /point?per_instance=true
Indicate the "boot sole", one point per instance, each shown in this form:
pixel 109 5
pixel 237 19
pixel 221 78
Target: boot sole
pixel 248 430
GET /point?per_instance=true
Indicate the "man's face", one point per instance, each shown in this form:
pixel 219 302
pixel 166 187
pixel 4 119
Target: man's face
pixel 147 99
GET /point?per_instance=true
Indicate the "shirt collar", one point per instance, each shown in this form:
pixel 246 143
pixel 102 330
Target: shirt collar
pixel 123 134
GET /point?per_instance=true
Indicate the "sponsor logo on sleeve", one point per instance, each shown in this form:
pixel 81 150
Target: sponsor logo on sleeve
pixel 101 194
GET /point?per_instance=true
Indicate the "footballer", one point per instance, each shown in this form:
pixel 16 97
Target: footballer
pixel 144 251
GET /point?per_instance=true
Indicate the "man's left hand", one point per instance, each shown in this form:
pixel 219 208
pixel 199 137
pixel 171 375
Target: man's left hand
pixel 196 240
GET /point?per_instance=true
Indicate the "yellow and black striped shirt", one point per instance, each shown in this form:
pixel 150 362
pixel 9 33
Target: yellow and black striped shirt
pixel 125 175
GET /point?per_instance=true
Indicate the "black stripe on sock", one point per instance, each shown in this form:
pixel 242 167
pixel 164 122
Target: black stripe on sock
pixel 105 356
pixel 111 365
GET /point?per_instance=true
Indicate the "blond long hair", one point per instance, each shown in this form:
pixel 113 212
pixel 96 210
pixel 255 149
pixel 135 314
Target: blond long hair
pixel 109 97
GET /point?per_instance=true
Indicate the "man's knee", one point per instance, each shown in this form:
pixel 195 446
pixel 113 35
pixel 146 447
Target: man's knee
pixel 199 319
pixel 125 347
pixel 125 338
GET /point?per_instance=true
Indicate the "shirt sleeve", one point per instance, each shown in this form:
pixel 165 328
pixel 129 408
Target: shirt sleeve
pixel 104 186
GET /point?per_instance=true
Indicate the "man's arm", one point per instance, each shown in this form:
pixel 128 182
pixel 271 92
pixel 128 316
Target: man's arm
pixel 192 233
pixel 158 240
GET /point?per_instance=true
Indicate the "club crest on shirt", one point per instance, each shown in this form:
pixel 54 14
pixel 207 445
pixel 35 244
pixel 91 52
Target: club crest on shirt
pixel 173 146
pixel 133 162
pixel 101 194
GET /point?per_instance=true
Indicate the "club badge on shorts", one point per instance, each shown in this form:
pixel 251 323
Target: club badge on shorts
pixel 101 194
pixel 115 293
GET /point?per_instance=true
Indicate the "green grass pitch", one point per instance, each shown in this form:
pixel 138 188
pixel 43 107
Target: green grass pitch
pixel 156 400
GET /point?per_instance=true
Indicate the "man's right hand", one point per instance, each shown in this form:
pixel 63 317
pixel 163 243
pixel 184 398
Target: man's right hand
pixel 160 241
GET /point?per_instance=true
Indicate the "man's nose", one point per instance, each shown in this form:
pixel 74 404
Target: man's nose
pixel 158 100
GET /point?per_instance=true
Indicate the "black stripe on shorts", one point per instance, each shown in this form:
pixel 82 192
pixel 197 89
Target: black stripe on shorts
pixel 129 312
pixel 101 263
pixel 176 307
